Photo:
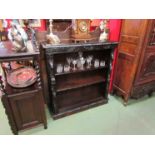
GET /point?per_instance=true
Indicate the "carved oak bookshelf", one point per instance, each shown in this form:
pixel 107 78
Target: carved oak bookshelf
pixel 77 90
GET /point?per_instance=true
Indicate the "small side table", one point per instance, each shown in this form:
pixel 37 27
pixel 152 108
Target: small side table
pixel 23 106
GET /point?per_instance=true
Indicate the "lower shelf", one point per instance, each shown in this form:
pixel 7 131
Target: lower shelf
pixel 71 110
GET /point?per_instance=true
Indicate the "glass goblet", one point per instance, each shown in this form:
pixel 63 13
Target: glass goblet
pixel 74 63
pixel 88 60
pixel 82 63
pixel 91 58
pixel 69 60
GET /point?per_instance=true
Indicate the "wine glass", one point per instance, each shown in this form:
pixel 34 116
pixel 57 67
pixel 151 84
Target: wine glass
pixel 82 63
pixel 91 58
pixel 88 62
pixel 88 59
pixel 69 60
pixel 74 63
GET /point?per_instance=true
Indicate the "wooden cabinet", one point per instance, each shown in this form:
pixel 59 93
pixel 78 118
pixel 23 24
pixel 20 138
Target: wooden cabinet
pixel 23 106
pixel 135 68
pixel 77 89
pixel 25 110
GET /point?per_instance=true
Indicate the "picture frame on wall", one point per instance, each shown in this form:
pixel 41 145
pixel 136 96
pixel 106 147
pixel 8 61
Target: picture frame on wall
pixel 33 22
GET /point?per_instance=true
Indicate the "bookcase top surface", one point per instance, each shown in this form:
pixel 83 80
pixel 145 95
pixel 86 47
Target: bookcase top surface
pixel 46 46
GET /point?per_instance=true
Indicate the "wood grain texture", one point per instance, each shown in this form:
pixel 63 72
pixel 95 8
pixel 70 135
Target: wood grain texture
pixel 135 64
pixel 24 106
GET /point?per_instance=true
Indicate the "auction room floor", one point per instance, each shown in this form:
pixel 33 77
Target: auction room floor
pixel 112 118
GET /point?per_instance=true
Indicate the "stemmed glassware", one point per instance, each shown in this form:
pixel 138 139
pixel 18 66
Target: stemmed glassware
pixel 91 58
pixel 89 61
pixel 74 63
pixel 82 63
pixel 69 60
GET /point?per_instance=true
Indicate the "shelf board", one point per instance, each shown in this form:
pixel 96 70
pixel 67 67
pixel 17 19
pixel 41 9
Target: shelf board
pixel 74 109
pixel 70 84
pixel 79 71
pixel 11 91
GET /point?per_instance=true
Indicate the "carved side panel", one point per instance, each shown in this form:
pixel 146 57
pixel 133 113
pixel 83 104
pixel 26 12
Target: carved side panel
pixel 152 35
pixel 109 72
pixel 150 66
pixel 147 71
pixel 50 66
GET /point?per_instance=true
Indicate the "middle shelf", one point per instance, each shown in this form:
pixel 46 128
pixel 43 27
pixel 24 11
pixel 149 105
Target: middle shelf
pixel 74 81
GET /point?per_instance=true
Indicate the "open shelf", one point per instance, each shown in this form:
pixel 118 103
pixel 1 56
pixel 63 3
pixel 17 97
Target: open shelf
pixel 70 83
pixel 102 99
pixel 80 107
pixel 80 71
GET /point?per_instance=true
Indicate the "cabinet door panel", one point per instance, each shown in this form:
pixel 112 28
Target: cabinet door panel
pixel 129 51
pixel 124 70
pixel 147 72
pixel 26 110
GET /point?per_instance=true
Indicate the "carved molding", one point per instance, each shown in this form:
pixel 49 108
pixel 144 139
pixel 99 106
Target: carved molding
pixel 149 66
pixel 143 90
pixel 152 35
pixel 38 74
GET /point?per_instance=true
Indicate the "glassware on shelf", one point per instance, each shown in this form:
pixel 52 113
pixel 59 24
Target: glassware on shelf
pixel 69 60
pixel 88 60
pixel 59 68
pixel 96 63
pixel 66 68
pixel 91 58
pixel 102 63
pixel 81 61
pixel 74 61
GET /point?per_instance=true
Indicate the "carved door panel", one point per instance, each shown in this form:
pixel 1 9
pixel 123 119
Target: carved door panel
pixel 146 72
pixel 26 110
pixel 152 34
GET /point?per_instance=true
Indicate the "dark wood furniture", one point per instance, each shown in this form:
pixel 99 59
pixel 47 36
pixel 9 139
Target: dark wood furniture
pixel 23 106
pixel 74 91
pixel 135 68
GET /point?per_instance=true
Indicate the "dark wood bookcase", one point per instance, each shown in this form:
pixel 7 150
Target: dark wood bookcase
pixel 77 90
